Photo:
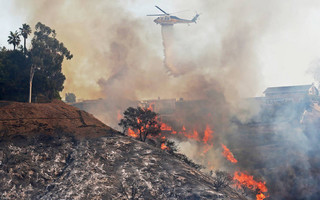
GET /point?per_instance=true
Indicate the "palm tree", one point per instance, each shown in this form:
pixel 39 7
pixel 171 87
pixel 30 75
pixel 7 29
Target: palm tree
pixel 14 39
pixel 25 30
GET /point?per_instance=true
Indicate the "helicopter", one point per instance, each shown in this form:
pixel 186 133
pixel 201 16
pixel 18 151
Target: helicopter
pixel 166 19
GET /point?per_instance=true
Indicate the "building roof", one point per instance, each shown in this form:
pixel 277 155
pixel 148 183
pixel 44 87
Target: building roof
pixel 288 89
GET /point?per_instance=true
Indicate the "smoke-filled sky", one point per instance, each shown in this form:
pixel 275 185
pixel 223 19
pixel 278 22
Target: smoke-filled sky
pixel 238 47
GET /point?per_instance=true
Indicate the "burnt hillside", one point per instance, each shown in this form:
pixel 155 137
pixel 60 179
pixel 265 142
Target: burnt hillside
pixel 54 151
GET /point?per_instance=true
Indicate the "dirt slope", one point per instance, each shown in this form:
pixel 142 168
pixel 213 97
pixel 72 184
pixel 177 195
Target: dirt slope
pixel 25 118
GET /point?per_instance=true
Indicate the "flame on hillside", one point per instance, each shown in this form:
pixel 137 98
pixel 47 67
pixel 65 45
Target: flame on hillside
pixel 165 127
pixel 194 136
pixel 164 147
pixel 228 154
pixel 207 135
pixel 206 139
pixel 245 180
pixel 131 133
pixel 260 196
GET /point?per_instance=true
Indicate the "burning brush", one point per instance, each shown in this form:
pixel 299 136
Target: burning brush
pixel 241 179
pixel 244 180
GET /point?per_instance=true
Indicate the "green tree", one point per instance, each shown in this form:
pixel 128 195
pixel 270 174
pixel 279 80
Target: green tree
pixel 141 120
pixel 14 39
pixel 14 75
pixel 46 56
pixel 25 31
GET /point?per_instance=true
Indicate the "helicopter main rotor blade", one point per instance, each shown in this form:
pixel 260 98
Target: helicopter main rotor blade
pixel 156 15
pixel 162 10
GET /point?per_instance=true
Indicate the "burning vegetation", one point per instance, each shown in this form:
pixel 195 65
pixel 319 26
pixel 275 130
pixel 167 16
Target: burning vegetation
pixel 244 180
pixel 228 154
pixel 199 135
pixel 133 124
pixel 140 122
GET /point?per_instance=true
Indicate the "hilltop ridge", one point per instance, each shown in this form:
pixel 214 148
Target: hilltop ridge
pixel 25 119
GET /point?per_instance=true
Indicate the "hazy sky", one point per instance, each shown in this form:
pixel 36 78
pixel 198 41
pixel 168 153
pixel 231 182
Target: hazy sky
pixel 285 49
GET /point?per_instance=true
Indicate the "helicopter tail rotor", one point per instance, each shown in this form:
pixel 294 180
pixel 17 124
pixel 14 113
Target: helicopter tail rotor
pixel 195 18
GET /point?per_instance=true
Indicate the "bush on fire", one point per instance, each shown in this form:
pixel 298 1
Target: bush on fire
pixel 142 121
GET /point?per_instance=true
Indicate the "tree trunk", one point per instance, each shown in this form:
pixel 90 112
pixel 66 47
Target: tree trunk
pixel 141 136
pixel 144 134
pixel 32 70
pixel 24 49
pixel 145 137
pixel 30 89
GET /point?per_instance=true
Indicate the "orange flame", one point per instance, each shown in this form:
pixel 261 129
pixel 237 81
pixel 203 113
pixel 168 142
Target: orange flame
pixel 165 127
pixel 207 135
pixel 189 134
pixel 132 133
pixel 194 136
pixel 249 182
pixel 207 138
pixel 163 146
pixel 260 196
pixel 151 106
pixel 228 154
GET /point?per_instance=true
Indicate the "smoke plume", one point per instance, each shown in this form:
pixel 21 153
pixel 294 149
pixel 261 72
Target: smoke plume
pixel 118 54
